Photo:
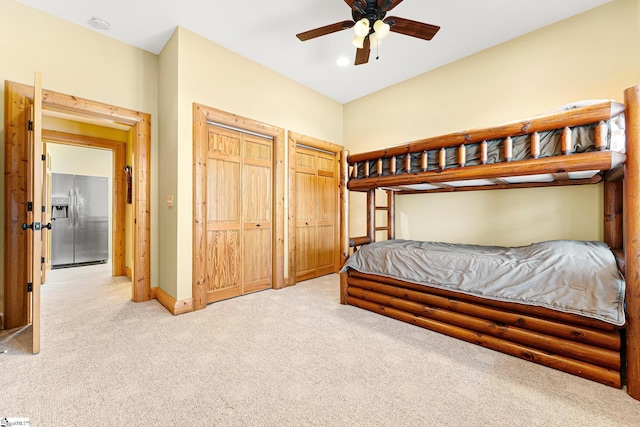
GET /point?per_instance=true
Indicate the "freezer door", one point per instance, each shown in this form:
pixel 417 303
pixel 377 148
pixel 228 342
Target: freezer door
pixel 91 215
pixel 62 246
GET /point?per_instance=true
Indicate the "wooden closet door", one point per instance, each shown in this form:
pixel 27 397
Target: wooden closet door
pixel 306 209
pixel 224 214
pixel 327 221
pixel 257 213
pixel 316 218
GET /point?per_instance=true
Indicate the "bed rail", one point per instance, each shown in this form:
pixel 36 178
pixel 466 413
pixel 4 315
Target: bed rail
pixel 396 166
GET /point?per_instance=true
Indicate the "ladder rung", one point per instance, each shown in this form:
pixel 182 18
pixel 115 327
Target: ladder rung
pixel 382 208
pixel 382 228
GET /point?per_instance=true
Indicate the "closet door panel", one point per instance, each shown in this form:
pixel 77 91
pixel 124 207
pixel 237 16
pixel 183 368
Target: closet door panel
pixel 257 260
pixel 257 213
pixel 223 191
pixel 224 215
pixel 223 264
pixel 306 254
pixel 326 223
pixel 306 209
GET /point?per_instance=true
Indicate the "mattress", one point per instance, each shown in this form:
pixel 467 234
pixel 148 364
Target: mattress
pixel 569 276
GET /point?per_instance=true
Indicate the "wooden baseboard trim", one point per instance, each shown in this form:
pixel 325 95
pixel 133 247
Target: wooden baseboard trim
pixel 127 272
pixel 175 307
pixel 1 321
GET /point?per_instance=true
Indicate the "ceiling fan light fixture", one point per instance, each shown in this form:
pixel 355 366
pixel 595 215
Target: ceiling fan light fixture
pixel 362 27
pixel 374 39
pixel 358 42
pixel 381 29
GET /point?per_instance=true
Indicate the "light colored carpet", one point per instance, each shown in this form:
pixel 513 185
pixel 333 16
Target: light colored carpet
pixel 289 357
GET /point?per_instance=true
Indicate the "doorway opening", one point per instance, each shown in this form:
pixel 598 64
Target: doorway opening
pixel 73 153
pixel 18 99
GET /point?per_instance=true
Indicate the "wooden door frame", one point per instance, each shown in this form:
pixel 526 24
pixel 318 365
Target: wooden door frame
pixel 296 139
pixel 118 190
pixel 201 115
pixel 18 97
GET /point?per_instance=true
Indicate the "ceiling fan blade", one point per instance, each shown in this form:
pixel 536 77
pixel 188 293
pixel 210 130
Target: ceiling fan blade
pixel 362 55
pixel 323 31
pixel 412 28
pixel 392 4
pixel 357 5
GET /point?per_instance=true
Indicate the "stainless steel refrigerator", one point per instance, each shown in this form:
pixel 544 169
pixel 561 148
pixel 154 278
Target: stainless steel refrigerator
pixel 79 220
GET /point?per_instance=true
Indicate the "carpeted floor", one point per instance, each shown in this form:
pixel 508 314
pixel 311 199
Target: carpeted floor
pixel 275 358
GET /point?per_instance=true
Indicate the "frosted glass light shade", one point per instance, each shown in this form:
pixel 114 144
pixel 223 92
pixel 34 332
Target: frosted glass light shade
pixel 381 28
pixel 374 39
pixel 358 42
pixel 362 27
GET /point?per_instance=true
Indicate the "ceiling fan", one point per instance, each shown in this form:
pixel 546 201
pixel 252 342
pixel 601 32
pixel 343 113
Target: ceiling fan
pixel 371 25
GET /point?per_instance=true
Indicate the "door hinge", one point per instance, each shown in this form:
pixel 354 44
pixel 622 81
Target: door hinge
pixel 42 260
pixel 44 157
pixel 29 206
pixel 30 287
pixel 44 208
pixel 30 124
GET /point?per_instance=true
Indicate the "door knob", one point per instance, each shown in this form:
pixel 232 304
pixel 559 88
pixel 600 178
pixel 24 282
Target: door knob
pixel 35 226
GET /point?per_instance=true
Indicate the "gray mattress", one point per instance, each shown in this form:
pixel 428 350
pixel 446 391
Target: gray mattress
pixel 569 276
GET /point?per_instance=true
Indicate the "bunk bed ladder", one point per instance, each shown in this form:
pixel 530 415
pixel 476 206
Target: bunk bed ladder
pixel 389 208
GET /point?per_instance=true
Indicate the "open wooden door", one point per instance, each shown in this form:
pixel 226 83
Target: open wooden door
pixel 33 226
pixel 46 215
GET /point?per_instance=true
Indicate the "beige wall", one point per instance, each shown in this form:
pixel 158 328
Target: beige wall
pixel 77 61
pixel 592 55
pixel 168 165
pixel 211 75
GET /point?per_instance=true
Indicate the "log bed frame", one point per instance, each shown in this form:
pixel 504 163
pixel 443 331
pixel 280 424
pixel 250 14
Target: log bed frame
pixel 585 347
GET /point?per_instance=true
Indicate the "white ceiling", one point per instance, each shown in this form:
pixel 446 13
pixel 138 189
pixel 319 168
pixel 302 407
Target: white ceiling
pixel 264 31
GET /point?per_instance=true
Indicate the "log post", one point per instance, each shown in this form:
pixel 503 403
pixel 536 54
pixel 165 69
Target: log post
pixel 632 238
pixel 567 146
pixel 371 214
pixel 392 165
pixel 613 214
pixel 391 214
pixel 407 163
pixel 367 170
pixel 462 155
pixel 442 159
pixel 508 149
pixel 425 161
pixel 535 145
pixel 379 166
pixel 344 223
pixel 484 156
pixel 601 136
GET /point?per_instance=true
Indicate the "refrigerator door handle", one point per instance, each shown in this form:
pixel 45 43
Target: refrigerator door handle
pixel 71 211
pixel 76 214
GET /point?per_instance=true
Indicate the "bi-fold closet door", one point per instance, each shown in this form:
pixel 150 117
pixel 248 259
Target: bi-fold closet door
pixel 239 213
pixel 316 213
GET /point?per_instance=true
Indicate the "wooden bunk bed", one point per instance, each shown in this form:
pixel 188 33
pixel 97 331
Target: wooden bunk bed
pixel 512 156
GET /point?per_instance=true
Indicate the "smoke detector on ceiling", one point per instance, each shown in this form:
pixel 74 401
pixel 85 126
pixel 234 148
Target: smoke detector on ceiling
pixel 99 24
